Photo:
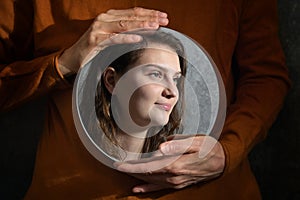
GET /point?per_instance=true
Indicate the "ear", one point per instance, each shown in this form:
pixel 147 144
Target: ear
pixel 109 78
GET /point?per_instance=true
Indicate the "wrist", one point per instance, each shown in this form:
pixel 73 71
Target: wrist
pixel 68 63
pixel 64 70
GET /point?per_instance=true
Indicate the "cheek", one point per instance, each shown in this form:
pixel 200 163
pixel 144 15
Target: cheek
pixel 141 103
pixel 146 94
pixel 175 100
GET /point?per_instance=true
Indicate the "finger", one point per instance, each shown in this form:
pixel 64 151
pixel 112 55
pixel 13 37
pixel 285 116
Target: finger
pixel 138 11
pixel 137 14
pixel 159 179
pixel 183 185
pixel 98 35
pixel 182 136
pixel 180 146
pixel 126 25
pixel 146 166
pixel 120 39
pixel 178 180
pixel 147 188
pixel 155 187
pixel 157 153
pixel 121 26
pixel 104 40
pixel 104 17
pixel 150 19
pixel 201 144
pixel 193 166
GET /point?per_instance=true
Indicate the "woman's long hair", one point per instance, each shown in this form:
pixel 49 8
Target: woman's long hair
pixel 121 65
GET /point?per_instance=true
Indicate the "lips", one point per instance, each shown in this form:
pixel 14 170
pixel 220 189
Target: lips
pixel 164 106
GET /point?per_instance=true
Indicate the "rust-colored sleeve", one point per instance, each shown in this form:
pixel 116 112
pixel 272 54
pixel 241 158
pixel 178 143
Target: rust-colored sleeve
pixel 262 81
pixel 22 76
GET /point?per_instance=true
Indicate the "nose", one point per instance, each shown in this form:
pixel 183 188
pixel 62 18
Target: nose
pixel 170 91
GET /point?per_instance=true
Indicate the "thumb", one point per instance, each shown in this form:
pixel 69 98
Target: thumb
pixel 192 144
pixel 175 147
pixel 147 188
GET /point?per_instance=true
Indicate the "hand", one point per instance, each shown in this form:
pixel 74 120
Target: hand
pixel 103 33
pixel 181 162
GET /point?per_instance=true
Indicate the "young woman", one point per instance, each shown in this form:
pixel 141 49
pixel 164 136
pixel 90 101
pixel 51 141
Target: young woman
pixel 137 98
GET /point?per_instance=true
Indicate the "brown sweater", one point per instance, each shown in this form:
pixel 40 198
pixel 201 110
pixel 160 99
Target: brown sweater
pixel 241 37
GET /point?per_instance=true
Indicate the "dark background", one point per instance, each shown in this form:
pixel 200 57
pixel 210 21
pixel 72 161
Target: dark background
pixel 275 162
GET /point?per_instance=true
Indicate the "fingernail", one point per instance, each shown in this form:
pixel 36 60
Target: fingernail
pixel 163 20
pixel 162 14
pixel 163 148
pixel 135 38
pixel 137 190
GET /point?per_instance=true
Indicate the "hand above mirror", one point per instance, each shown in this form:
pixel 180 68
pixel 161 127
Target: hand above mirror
pixel 104 32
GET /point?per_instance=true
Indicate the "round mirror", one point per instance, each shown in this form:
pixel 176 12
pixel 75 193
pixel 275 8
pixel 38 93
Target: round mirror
pixel 129 98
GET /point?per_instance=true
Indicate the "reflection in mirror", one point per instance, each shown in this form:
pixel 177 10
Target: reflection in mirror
pixel 136 99
pixel 129 98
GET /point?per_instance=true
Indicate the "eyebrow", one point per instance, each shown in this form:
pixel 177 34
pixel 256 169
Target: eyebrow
pixel 163 68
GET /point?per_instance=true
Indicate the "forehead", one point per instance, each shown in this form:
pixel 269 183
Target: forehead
pixel 160 55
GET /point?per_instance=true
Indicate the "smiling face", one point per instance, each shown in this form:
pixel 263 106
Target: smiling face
pixel 157 71
pixel 145 95
pixel 137 94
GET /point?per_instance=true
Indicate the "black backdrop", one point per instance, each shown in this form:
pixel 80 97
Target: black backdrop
pixel 275 162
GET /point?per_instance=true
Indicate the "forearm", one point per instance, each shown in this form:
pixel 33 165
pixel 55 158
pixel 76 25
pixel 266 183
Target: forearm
pixel 249 119
pixel 22 74
pixel 23 80
pixel 262 82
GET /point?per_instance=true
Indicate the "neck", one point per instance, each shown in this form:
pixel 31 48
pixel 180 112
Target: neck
pixel 132 143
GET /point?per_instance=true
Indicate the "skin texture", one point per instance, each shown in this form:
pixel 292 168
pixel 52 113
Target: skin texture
pixel 154 77
pixel 155 99
pixel 201 158
pixel 99 35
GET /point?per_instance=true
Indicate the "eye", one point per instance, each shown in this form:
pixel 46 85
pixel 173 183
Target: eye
pixel 176 79
pixel 156 74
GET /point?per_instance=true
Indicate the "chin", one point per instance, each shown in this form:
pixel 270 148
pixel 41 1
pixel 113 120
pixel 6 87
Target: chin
pixel 159 121
pixel 159 118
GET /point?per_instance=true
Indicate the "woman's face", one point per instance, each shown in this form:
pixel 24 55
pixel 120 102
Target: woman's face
pixel 156 72
pixel 147 93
